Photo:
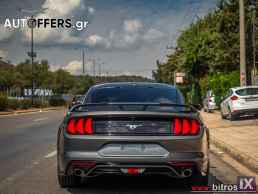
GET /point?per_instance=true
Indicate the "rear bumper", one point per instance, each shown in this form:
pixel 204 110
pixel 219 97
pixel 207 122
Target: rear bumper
pixel 177 170
pixel 180 149
pixel 239 112
pixel 212 106
pixel 114 165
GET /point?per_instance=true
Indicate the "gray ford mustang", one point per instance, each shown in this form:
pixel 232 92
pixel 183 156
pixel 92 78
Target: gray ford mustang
pixel 132 129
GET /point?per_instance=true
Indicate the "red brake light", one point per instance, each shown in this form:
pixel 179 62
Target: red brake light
pixel 185 127
pixel 80 126
pixel 177 127
pixel 195 127
pixel 88 126
pixel 233 97
pixel 71 127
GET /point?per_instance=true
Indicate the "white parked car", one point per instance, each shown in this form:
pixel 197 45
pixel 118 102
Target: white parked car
pixel 209 103
pixel 240 101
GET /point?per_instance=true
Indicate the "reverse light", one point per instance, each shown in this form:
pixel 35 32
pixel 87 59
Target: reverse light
pixel 185 126
pixel 80 126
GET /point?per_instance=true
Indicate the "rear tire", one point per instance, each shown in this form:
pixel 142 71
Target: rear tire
pixel 197 179
pixel 200 180
pixel 68 181
pixel 222 115
pixel 232 117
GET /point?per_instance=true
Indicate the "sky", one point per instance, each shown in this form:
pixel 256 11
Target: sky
pixel 122 36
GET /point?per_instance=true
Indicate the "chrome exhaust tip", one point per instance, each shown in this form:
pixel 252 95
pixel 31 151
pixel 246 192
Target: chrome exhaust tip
pixel 187 172
pixel 78 172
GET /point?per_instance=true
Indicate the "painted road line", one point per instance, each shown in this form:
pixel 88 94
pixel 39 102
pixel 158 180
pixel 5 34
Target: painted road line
pixel 40 119
pixel 27 113
pixel 51 154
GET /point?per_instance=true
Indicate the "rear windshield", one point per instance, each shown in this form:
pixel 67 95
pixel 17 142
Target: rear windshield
pixel 138 94
pixel 247 91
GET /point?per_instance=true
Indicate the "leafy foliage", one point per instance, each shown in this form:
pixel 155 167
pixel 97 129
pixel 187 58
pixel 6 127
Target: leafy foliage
pixel 209 45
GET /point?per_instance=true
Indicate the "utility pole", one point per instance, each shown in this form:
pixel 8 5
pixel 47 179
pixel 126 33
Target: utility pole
pixel 100 68
pixel 83 62
pixel 94 68
pixel 242 43
pixel 253 10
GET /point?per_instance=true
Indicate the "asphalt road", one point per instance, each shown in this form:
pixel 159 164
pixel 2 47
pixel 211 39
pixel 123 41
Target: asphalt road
pixel 28 162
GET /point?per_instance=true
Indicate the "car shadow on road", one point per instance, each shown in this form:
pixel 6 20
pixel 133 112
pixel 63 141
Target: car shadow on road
pixel 247 117
pixel 132 185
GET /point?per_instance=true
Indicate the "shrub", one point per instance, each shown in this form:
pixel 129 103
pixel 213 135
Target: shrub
pixel 25 104
pixel 13 104
pixel 3 102
pixel 220 83
pixel 39 103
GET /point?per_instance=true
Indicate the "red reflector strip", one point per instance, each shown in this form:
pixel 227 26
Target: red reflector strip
pixel 79 163
pixel 181 164
pixel 133 171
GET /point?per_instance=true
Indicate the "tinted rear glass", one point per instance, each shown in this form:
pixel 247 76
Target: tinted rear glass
pixel 137 94
pixel 247 91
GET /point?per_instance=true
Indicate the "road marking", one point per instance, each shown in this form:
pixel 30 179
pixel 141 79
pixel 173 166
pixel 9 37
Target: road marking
pixel 51 154
pixel 40 119
pixel 27 113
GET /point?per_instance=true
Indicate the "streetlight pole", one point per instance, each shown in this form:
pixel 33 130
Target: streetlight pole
pixel 32 61
pixel 31 54
pixel 31 24
pixel 83 62
pixel 242 43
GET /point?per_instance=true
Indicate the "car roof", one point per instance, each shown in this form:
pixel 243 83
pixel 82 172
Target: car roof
pixel 243 87
pixel 143 84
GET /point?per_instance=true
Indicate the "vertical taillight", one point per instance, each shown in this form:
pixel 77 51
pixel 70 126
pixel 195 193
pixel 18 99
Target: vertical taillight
pixel 177 127
pixel 70 128
pixel 185 126
pixel 88 126
pixel 80 126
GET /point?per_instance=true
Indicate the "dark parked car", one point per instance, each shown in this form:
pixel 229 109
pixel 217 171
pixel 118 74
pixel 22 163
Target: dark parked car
pixel 76 100
pixel 133 129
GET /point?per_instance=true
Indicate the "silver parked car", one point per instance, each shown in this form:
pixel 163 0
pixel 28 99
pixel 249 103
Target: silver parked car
pixel 133 129
pixel 209 103
pixel 240 101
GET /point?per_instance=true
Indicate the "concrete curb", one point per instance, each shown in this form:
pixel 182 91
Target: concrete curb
pixel 241 157
pixel 29 111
